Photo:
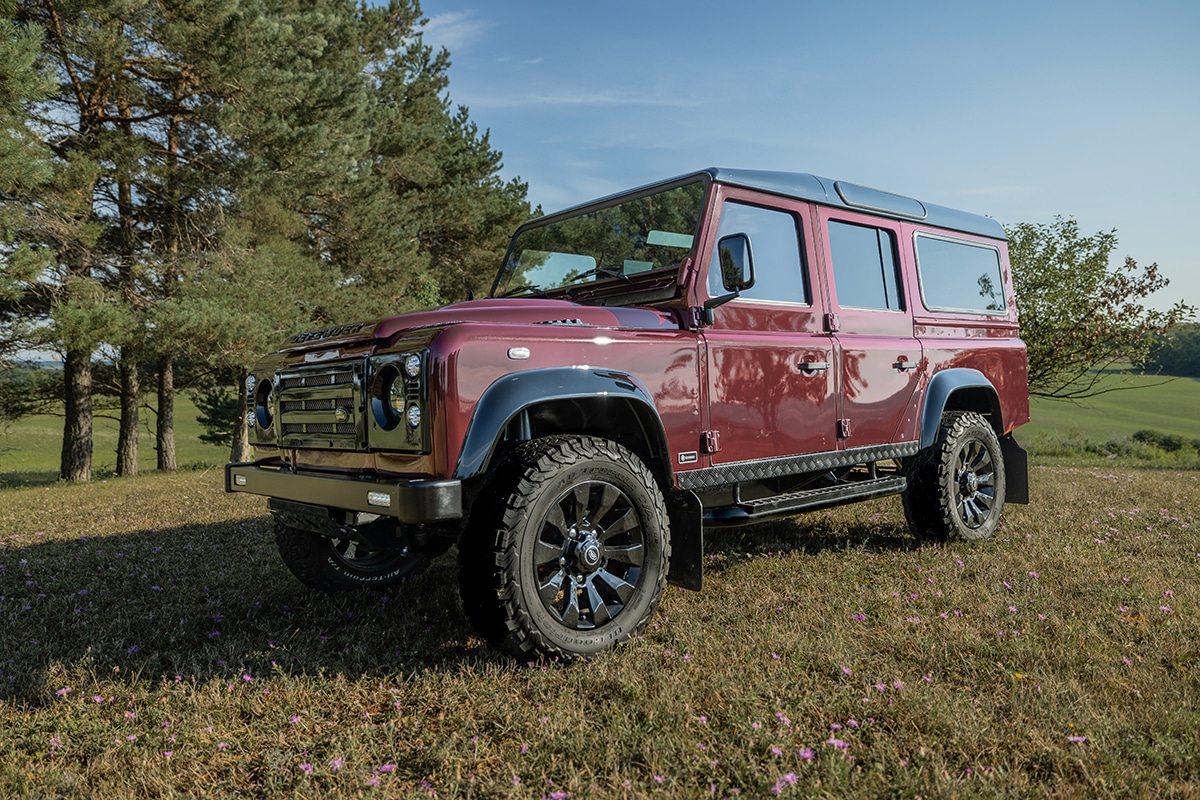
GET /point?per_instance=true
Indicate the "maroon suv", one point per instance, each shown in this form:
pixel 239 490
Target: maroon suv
pixel 717 349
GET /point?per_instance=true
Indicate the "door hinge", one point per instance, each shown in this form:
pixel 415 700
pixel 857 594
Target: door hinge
pixel 710 442
pixel 843 428
pixel 832 323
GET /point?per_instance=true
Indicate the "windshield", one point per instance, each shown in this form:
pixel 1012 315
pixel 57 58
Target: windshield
pixel 615 243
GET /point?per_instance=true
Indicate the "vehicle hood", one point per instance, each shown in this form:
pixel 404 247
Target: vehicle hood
pixel 495 311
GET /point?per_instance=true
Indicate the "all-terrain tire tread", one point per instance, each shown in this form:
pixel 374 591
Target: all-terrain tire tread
pixel 489 554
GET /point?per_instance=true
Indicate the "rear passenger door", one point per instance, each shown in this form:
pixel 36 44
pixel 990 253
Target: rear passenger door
pixel 879 359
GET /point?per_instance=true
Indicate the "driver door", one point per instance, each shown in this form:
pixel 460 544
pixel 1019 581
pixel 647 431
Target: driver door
pixel 771 367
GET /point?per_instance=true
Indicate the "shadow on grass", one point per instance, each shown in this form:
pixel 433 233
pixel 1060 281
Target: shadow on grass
pixel 35 479
pixel 197 602
pixel 27 479
pixel 807 535
pixel 201 601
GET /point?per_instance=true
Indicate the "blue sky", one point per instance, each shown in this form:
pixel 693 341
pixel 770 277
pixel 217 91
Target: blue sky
pixel 1019 110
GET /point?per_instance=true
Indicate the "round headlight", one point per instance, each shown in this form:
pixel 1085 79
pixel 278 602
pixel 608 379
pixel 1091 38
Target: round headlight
pixel 262 404
pixel 395 394
pixel 412 366
pixel 414 416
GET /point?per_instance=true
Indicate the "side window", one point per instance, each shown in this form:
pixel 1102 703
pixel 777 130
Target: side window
pixel 866 273
pixel 775 242
pixel 960 276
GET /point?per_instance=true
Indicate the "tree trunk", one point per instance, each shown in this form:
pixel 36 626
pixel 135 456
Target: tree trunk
pixel 77 429
pixel 131 394
pixel 127 438
pixel 241 434
pixel 165 429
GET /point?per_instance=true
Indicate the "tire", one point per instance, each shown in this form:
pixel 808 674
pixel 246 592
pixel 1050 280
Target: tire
pixel 566 553
pixel 343 565
pixel 956 486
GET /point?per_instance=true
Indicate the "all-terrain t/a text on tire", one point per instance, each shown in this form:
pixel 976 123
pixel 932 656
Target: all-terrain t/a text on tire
pixel 343 565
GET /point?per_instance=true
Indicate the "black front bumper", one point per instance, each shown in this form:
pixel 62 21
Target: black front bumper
pixel 410 501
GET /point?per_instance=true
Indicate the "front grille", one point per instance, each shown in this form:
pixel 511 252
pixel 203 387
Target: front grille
pixel 336 377
pixel 328 404
pixel 321 407
pixel 344 428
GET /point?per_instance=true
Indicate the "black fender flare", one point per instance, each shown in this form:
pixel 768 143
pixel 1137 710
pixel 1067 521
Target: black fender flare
pixel 945 383
pixel 508 396
pixel 941 387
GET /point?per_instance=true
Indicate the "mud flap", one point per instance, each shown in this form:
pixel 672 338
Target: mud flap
pixel 686 569
pixel 1016 471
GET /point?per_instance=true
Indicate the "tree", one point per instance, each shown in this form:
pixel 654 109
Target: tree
pixel 1177 353
pixel 24 166
pixel 220 173
pixel 1078 316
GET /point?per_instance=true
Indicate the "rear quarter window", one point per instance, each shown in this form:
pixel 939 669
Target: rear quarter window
pixel 957 275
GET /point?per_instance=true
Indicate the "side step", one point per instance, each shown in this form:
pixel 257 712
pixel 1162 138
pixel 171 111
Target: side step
pixel 808 500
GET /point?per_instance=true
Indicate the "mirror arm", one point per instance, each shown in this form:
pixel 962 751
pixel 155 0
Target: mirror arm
pixel 714 302
pixel 706 311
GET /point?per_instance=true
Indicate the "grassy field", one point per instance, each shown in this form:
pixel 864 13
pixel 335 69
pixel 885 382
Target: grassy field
pixel 30 448
pixel 1170 405
pixel 153 645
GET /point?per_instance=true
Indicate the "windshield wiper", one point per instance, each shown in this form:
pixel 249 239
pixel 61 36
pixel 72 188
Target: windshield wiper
pixel 605 272
pixel 527 287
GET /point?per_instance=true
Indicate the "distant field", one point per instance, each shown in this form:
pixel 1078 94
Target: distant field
pixel 30 449
pixel 1169 405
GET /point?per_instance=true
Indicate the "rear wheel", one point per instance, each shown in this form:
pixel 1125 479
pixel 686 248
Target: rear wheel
pixel 342 565
pixel 956 486
pixel 568 555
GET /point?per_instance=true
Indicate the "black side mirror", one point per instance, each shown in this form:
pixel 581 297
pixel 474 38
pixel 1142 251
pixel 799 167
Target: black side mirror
pixel 737 262
pixel 737 271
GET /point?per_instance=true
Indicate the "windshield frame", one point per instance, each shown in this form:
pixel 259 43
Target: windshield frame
pixel 659 281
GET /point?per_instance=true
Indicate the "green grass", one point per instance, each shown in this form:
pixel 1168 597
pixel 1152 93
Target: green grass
pixel 1170 405
pixel 154 645
pixel 1131 425
pixel 30 448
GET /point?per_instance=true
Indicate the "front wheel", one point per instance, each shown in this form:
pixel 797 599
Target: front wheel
pixel 567 554
pixel 956 486
pixel 342 565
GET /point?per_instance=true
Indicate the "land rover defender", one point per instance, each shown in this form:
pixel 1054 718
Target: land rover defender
pixel 716 349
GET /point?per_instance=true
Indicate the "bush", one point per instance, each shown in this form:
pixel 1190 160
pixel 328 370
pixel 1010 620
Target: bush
pixel 1170 442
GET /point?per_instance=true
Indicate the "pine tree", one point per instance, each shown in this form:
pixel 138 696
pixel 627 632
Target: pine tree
pixel 223 172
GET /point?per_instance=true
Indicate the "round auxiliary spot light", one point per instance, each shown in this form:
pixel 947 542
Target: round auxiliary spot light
pixel 251 381
pixel 414 416
pixel 412 366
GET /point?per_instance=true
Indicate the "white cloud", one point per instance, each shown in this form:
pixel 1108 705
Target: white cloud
pixel 604 98
pixel 455 30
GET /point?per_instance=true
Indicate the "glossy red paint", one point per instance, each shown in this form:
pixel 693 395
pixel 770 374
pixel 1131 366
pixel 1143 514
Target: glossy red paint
pixel 476 355
pixel 760 379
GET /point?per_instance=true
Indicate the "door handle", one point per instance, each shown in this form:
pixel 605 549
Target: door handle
pixel 904 365
pixel 813 366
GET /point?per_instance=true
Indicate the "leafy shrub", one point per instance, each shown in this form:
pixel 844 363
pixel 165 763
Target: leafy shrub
pixel 1170 442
